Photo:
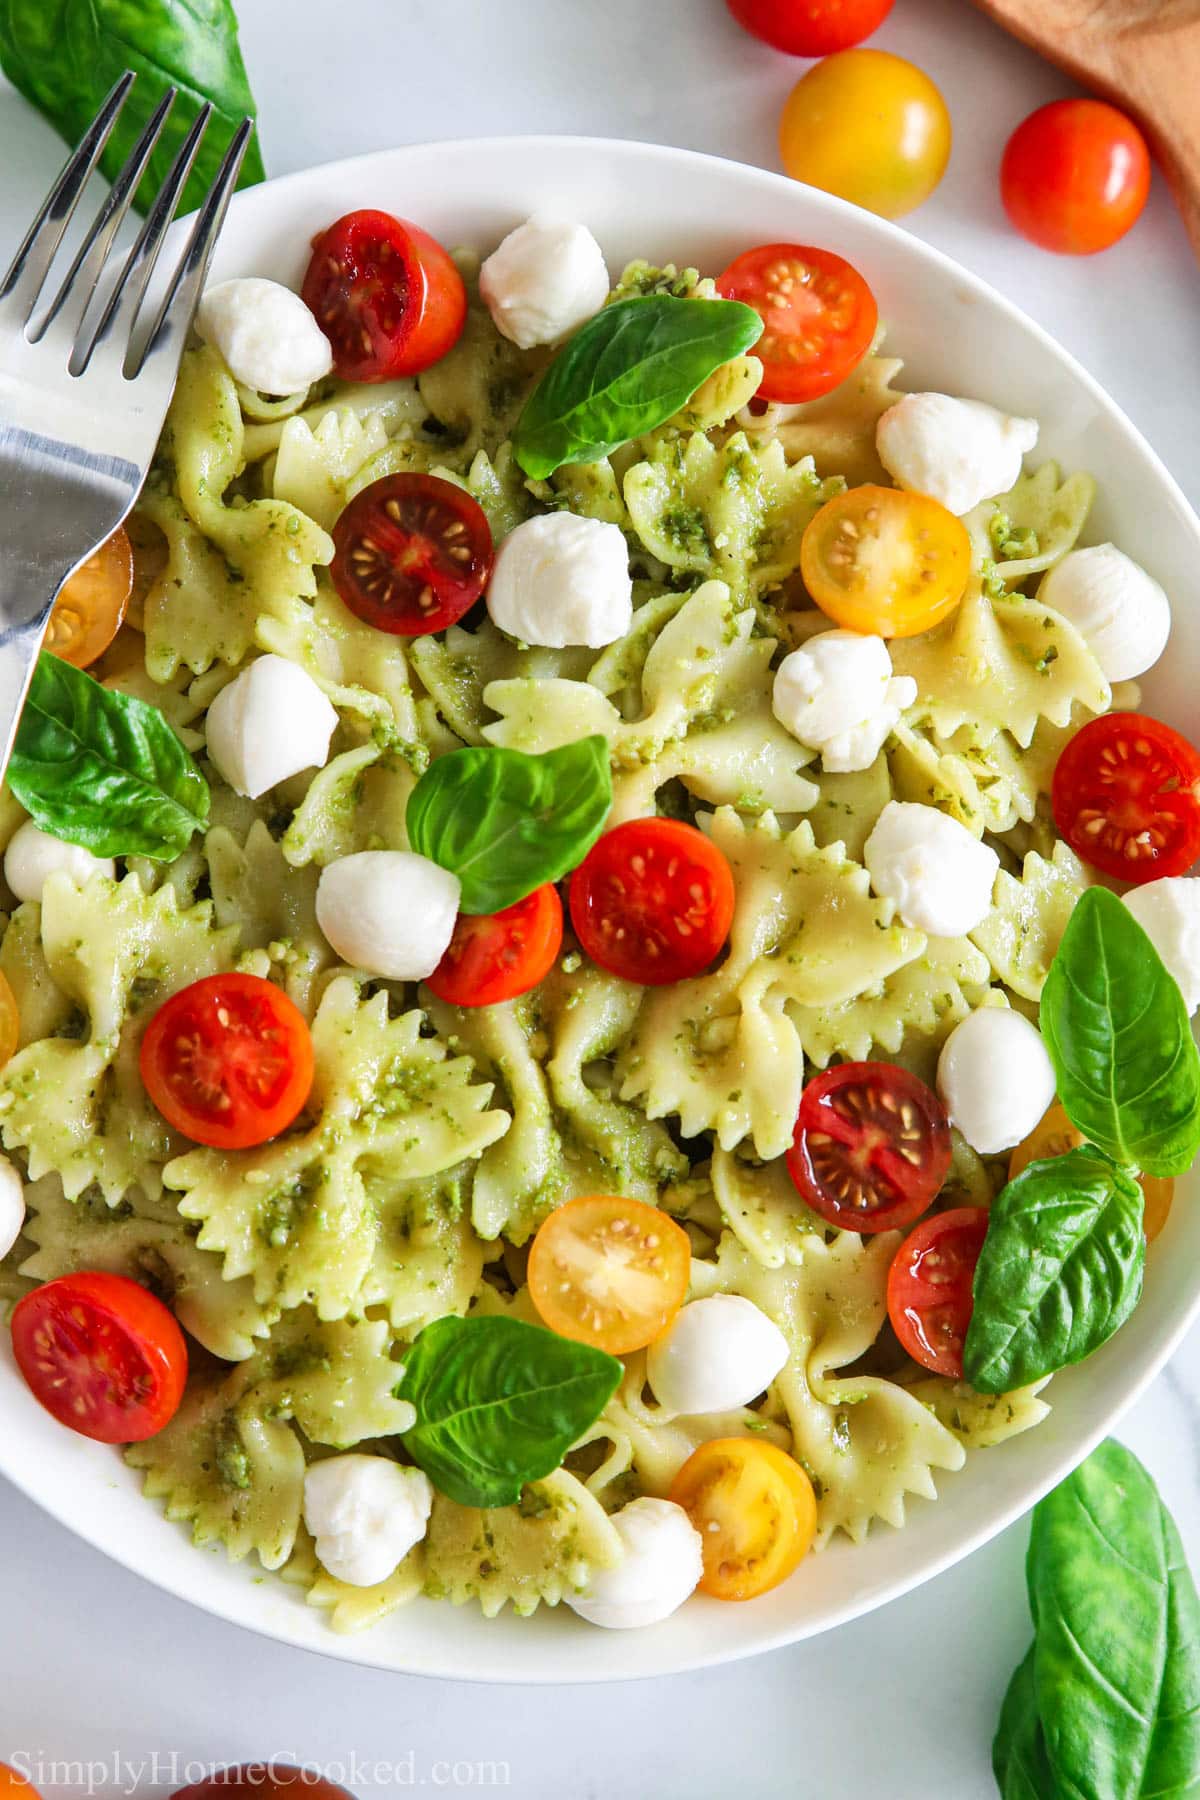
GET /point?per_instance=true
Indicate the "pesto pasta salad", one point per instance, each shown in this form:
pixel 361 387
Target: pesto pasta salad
pixel 596 980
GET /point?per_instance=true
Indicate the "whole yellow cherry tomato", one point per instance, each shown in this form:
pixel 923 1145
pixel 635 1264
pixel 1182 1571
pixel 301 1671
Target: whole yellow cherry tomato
pixel 869 127
pixel 1054 1135
pixel 881 560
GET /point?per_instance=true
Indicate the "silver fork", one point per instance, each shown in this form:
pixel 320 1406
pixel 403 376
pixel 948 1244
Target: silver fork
pixel 85 382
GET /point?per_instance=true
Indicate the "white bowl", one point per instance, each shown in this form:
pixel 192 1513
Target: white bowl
pixel 955 334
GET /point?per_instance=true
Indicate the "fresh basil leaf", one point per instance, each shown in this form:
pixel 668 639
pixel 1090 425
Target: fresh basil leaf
pixel 1116 1670
pixel 624 372
pixel 1059 1272
pixel 499 1403
pixel 1019 1759
pixel 102 769
pixel 505 822
pixel 1118 1034
pixel 64 55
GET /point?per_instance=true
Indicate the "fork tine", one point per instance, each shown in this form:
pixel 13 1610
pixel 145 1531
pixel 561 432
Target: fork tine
pixel 82 276
pixel 123 303
pixel 174 317
pixel 28 270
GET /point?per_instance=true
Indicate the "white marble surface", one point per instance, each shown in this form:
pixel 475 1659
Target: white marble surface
pixel 95 1664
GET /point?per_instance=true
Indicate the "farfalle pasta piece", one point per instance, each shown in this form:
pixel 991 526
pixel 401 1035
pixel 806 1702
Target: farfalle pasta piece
pixel 926 997
pixel 76 1104
pixel 1029 529
pixel 315 462
pixel 542 1548
pixel 271 906
pixel 304 1216
pixel 838 430
pixel 358 801
pixel 353 1609
pixel 396 404
pixel 735 511
pixel 979 1420
pixel 227 564
pixel 720 1051
pixel 847 806
pixel 1029 914
pixel 363 671
pixel 456 667
pixel 761 1207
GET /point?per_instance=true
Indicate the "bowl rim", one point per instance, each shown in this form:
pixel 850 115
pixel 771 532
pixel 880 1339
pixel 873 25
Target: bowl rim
pixel 360 1649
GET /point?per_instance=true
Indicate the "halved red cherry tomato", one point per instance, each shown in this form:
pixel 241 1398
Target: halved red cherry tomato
pixel 264 1781
pixel 1126 796
pixel 609 1271
pixel 91 603
pixel 878 560
pixel 228 1061
pixel 930 1285
pixel 496 956
pixel 652 901
pixel 411 553
pixel 102 1355
pixel 810 27
pixel 1075 176
pixel 819 316
pixel 386 295
pixel 755 1510
pixel 871 1148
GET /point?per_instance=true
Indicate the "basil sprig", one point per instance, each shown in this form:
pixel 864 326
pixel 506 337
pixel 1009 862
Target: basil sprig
pixel 505 822
pixel 64 55
pixel 626 371
pixel 1061 1266
pixel 499 1403
pixel 1119 1038
pixel 103 769
pixel 1060 1272
pixel 1106 1705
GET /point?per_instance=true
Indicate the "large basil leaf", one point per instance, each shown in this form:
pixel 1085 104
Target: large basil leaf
pixel 64 55
pixel 1118 1034
pixel 102 769
pixel 1019 1759
pixel 1116 1668
pixel 624 372
pixel 505 822
pixel 1059 1272
pixel 499 1403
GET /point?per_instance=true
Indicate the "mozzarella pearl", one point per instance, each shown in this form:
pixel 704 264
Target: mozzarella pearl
pixel 559 580
pixel 543 281
pixel 33 856
pixel 837 693
pixel 719 1353
pixel 1121 613
pixel 957 451
pixel 268 338
pixel 660 1568
pixel 939 876
pixel 1168 911
pixel 995 1078
pixel 366 1513
pixel 270 722
pixel 388 912
pixel 12 1205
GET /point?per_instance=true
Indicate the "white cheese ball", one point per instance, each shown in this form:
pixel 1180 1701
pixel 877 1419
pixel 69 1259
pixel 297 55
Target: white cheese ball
pixel 267 336
pixel 366 1513
pixel 660 1568
pixel 12 1204
pixel 957 451
pixel 33 856
pixel 995 1078
pixel 561 580
pixel 939 876
pixel 270 722
pixel 1119 611
pixel 544 280
pixel 719 1353
pixel 1168 911
pixel 837 693
pixel 388 912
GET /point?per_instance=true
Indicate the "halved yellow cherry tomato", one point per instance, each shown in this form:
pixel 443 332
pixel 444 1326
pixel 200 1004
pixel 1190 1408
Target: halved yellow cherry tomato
pixel 1054 1135
pixel 755 1510
pixel 609 1272
pixel 91 604
pixel 882 561
pixel 868 126
pixel 14 1785
pixel 10 1021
